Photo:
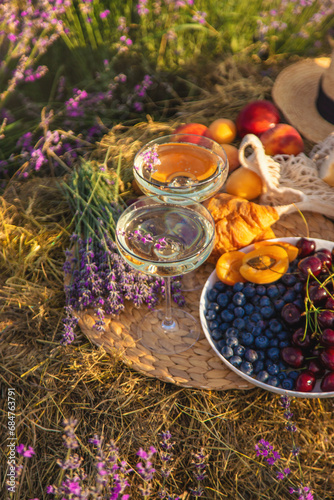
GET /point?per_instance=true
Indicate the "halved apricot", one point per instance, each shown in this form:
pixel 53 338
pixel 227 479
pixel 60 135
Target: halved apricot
pixel 291 250
pixel 265 264
pixel 227 267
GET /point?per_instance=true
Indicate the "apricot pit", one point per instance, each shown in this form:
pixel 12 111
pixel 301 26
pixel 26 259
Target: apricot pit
pixel 265 264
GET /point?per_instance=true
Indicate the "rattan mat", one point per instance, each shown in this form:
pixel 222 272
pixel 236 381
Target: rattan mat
pixel 198 367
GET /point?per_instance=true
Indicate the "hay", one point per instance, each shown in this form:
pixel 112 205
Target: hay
pixel 53 382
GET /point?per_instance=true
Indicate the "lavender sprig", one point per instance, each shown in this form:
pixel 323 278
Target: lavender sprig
pixel 199 462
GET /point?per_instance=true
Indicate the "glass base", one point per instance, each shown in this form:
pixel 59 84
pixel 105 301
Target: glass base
pixel 169 339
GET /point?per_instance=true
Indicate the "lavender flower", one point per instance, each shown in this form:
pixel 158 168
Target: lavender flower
pixel 151 158
pixel 25 451
pixel 146 469
pixel 265 449
pixel 69 437
pixel 304 493
pixel 200 463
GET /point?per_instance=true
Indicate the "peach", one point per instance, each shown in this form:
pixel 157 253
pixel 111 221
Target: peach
pixel 257 117
pixel 245 183
pixel 194 129
pixel 223 130
pixel 232 154
pixel 282 139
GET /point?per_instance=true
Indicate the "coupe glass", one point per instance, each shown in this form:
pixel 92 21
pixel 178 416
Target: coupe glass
pixel 181 165
pixel 165 239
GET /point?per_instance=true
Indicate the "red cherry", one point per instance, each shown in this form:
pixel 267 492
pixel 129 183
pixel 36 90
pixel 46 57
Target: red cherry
pixel 327 358
pixel 326 319
pixel 315 366
pixel 327 383
pixel 306 247
pixel 327 338
pixel 293 356
pixel 300 339
pixel 310 264
pixel 305 382
pixel 330 303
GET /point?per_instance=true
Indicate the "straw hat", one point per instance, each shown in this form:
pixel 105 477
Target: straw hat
pixel 304 92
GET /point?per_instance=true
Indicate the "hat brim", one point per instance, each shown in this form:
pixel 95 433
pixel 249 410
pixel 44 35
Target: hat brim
pixel 295 92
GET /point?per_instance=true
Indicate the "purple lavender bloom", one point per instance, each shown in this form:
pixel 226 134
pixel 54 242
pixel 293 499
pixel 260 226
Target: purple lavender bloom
pixel 104 14
pixel 69 437
pixel 24 451
pixel 199 17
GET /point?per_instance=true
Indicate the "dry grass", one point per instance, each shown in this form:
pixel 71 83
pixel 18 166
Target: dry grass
pixel 107 397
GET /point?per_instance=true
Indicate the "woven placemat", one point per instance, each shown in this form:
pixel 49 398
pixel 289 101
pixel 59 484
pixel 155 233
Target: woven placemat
pixel 198 367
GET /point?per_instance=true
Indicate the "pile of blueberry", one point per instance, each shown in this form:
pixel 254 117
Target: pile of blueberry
pixel 260 329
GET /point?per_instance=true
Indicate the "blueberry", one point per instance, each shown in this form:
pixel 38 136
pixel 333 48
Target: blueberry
pixel 283 335
pixel 289 296
pixel 261 354
pixel 213 306
pixel 274 381
pixel 298 287
pixel 239 350
pixel 249 308
pixel 251 355
pixel 212 294
pixel 299 303
pixel 261 290
pixel 258 366
pixel 273 291
pixel 213 324
pixel 239 299
pixel 239 323
pixel 289 279
pixel 231 307
pixel 256 331
pixel 247 339
pixel 275 326
pixel 282 366
pixel 279 304
pixel 293 374
pixel 273 353
pixel 262 323
pixel 227 352
pixel 284 343
pixel 227 316
pixel 249 290
pixel 265 301
pixel 262 376
pixel 237 287
pixel 224 326
pixel 216 334
pixel 288 383
pixel 239 312
pixel 274 342
pixel 235 361
pixel 231 332
pixel 232 342
pixel 268 333
pixel 221 343
pixel 281 288
pixel 281 376
pixel 219 286
pixel 246 367
pixel 255 299
pixel 261 342
pixel 222 299
pixel 268 311
pixel 256 317
pixel 272 368
pixel 210 315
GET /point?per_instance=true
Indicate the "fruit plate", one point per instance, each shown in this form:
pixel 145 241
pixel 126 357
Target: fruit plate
pixel 316 392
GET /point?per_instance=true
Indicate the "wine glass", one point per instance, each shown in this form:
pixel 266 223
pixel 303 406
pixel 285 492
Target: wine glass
pixel 166 239
pixel 181 165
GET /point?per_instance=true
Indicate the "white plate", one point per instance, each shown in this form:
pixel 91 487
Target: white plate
pixel 316 393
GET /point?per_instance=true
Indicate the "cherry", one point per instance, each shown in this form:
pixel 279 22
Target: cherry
pixel 317 294
pixel 327 358
pixel 327 338
pixel 325 259
pixel 326 252
pixel 300 339
pixel 310 264
pixel 293 356
pixel 326 319
pixel 327 383
pixel 305 382
pixel 330 303
pixel 315 366
pixel 305 246
pixel 291 314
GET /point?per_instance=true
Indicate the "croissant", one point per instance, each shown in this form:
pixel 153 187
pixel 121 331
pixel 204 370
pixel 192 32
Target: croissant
pixel 238 222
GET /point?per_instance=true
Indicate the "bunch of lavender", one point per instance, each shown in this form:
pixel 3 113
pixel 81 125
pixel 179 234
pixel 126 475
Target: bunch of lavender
pixel 200 462
pixel 99 277
pixel 265 449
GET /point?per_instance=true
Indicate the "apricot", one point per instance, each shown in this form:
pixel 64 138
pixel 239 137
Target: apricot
pixel 223 130
pixel 265 264
pixel 282 139
pixel 232 154
pixel 227 267
pixel 245 183
pixel 291 250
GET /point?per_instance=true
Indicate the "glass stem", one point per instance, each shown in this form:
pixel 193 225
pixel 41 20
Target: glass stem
pixel 168 322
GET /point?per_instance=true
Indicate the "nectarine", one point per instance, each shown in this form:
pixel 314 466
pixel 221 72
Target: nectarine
pixel 282 139
pixel 193 129
pixel 232 154
pixel 257 117
pixel 223 130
